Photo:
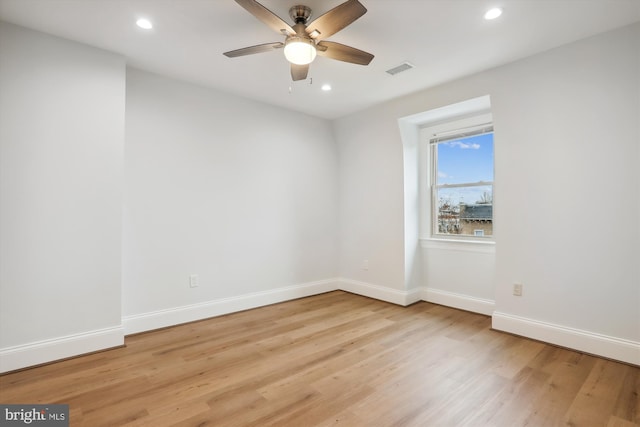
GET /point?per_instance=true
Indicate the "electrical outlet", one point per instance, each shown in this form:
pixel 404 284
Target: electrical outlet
pixel 517 289
pixel 193 281
pixel 365 264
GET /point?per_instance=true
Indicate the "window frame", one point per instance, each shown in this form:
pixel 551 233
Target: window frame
pixel 428 179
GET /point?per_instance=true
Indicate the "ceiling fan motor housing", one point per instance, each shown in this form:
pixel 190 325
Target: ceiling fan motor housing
pixel 300 14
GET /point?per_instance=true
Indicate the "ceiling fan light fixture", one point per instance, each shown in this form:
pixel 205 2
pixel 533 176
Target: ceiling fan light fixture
pixel 299 50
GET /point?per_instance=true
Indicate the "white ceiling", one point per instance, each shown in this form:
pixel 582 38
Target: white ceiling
pixel 444 39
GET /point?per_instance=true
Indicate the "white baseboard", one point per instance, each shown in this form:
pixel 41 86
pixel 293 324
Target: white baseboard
pixel 382 293
pixel 36 353
pixel 463 302
pixel 189 313
pixel 584 341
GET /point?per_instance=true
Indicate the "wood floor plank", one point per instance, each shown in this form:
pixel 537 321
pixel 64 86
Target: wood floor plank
pixel 596 400
pixel 335 359
pixel 509 405
pixel 619 422
pixel 344 418
pixel 627 405
pixel 550 406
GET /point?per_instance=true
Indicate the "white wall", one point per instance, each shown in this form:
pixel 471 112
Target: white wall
pixel 566 141
pixel 61 156
pixel 567 178
pixel 241 193
pixel 371 198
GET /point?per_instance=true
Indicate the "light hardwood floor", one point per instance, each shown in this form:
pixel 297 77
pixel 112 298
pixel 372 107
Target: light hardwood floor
pixel 335 359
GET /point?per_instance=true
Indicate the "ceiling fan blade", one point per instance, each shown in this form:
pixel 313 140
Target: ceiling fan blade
pixel 267 47
pixel 299 72
pixel 344 53
pixel 265 15
pixel 335 20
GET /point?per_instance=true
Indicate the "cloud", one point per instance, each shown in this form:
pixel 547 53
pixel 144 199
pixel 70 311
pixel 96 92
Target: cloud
pixel 442 174
pixel 464 145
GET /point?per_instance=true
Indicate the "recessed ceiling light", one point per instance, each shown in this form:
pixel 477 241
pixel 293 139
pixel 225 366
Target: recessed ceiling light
pixel 493 13
pixel 144 24
pixel 326 87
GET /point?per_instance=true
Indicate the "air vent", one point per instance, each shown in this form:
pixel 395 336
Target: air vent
pixel 400 68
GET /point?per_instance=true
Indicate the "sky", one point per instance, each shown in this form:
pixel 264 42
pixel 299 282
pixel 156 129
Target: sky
pixel 467 160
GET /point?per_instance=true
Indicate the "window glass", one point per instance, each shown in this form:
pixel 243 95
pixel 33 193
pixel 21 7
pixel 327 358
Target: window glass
pixel 462 192
pixel 465 160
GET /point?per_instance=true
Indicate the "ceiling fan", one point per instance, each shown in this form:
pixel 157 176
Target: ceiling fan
pixel 303 42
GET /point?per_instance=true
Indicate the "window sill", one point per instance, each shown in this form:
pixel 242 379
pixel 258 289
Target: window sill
pixel 478 246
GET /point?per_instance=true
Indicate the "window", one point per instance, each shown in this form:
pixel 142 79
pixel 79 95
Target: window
pixel 461 182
